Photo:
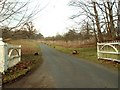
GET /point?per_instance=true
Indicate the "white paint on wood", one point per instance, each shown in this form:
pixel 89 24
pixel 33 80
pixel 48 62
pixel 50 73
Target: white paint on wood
pixel 8 60
pixel 114 45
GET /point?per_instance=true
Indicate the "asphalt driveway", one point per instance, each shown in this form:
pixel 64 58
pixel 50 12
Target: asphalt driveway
pixel 61 70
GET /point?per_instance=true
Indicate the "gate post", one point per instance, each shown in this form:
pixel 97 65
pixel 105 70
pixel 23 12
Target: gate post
pixel 2 55
pixel 98 55
pixel 19 53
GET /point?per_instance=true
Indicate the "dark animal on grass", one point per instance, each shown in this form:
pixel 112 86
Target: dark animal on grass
pixel 36 53
pixel 74 52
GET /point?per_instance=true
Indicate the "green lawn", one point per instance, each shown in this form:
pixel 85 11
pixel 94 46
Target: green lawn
pixel 88 53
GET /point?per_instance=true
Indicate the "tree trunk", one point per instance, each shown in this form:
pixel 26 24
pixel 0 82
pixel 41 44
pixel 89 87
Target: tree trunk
pixel 0 33
pixel 118 23
pixel 100 36
pixel 112 28
pixel 88 30
pixel 107 22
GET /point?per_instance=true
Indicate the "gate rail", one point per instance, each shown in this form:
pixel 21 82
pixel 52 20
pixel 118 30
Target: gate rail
pixel 10 55
pixel 13 59
pixel 109 51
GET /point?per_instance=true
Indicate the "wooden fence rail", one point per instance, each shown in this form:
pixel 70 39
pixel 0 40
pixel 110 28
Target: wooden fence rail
pixel 10 55
pixel 109 51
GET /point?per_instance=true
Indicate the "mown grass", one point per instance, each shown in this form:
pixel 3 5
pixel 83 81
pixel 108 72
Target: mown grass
pixel 89 54
pixel 28 62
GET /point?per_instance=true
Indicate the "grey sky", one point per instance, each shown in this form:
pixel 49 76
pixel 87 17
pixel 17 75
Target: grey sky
pixel 55 18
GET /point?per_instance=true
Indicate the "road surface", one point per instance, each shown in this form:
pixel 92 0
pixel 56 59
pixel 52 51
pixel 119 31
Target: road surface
pixel 61 70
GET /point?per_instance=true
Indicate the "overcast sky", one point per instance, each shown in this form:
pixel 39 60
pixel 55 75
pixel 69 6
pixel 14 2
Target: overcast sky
pixel 54 18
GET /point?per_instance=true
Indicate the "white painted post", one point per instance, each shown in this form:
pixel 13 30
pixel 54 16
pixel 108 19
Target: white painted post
pixel 2 55
pixel 19 53
pixel 98 55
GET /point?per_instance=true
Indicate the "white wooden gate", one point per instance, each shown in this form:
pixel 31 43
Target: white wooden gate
pixel 10 55
pixel 14 55
pixel 109 51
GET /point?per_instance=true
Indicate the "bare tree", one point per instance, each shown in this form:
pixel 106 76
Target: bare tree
pixel 14 13
pixel 70 35
pixel 97 23
pixel 90 11
pixel 86 30
pixel 118 23
pixel 29 29
pixel 112 28
pixel 102 14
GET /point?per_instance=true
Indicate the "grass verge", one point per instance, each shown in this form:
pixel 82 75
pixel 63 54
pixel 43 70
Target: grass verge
pixel 28 63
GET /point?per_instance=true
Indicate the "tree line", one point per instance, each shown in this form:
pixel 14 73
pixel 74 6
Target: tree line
pixel 15 14
pixel 85 33
pixel 27 31
pixel 101 20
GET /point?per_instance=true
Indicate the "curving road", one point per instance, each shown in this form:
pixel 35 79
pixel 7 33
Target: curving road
pixel 61 70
